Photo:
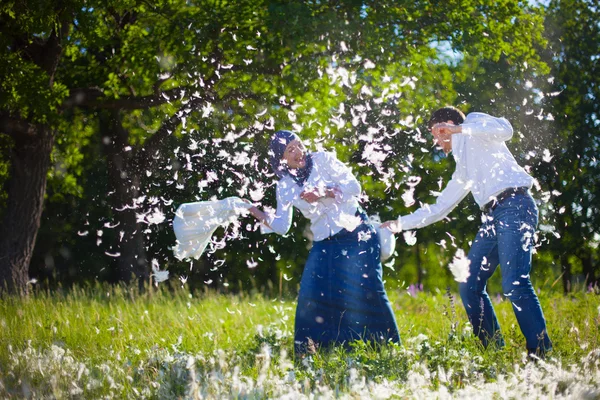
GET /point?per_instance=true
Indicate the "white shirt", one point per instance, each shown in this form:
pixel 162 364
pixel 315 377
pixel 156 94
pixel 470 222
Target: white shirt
pixel 484 167
pixel 328 215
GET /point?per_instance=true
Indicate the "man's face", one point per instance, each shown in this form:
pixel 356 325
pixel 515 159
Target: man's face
pixel 442 137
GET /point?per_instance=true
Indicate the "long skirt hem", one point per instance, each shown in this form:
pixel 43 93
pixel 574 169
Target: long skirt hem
pixel 342 297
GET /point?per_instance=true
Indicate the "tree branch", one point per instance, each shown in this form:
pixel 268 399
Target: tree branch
pixel 243 96
pixel 16 126
pixel 53 48
pixel 154 143
pixel 92 97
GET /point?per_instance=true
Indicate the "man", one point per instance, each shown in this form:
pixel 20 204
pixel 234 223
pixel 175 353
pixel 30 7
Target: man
pixel 486 168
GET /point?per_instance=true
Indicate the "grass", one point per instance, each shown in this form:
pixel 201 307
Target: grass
pixel 113 343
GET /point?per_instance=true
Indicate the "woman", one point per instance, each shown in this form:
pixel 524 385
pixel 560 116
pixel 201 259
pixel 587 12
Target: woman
pixel 341 297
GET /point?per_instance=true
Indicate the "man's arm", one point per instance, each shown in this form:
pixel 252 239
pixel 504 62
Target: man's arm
pixel 481 126
pixel 453 193
pixel 485 126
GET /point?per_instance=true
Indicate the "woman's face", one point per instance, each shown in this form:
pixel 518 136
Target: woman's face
pixel 295 155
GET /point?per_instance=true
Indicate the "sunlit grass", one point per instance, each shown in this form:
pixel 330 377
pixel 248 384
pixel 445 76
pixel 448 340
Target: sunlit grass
pixel 113 342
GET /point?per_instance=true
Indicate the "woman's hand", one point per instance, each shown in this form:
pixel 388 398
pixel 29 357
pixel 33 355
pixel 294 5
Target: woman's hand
pixel 333 192
pixel 311 195
pixel 315 194
pixel 257 213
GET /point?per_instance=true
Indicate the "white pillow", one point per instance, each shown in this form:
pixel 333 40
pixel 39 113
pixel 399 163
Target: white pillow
pixel 195 223
pixel 387 240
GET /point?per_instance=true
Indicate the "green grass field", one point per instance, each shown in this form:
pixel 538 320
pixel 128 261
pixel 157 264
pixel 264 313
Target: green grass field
pixel 112 343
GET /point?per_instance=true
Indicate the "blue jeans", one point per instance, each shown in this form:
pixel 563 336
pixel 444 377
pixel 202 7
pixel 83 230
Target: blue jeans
pixel 342 297
pixel 506 238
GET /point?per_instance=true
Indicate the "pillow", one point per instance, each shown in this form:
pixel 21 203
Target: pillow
pixel 195 223
pixel 387 240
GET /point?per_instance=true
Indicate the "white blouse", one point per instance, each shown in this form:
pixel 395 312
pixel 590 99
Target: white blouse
pixel 327 215
pixel 484 167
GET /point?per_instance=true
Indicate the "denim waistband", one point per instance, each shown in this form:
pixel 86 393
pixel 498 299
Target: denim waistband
pixel 360 212
pixel 500 197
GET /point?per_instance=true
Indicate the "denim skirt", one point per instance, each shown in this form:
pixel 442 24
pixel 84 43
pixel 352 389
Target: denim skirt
pixel 342 297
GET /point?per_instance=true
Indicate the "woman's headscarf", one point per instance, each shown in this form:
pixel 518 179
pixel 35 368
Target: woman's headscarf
pixel 277 147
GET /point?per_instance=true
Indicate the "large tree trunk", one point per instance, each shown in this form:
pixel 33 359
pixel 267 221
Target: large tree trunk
pixel 30 159
pixel 125 181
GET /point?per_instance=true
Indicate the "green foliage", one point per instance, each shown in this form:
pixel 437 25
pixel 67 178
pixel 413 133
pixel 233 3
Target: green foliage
pixel 574 40
pixel 358 78
pixel 68 158
pixel 25 88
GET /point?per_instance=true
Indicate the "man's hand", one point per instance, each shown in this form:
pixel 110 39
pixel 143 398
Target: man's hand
pixel 445 128
pixel 393 225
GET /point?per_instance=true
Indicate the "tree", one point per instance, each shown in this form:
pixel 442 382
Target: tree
pixel 571 101
pixel 34 35
pixel 155 75
pixel 111 64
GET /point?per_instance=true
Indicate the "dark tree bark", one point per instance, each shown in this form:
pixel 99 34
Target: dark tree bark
pixel 125 180
pixel 125 170
pixel 30 160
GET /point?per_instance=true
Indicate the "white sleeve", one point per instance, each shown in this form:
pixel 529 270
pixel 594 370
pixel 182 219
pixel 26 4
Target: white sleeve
pixel 343 178
pixel 453 193
pixel 488 127
pixel 281 220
